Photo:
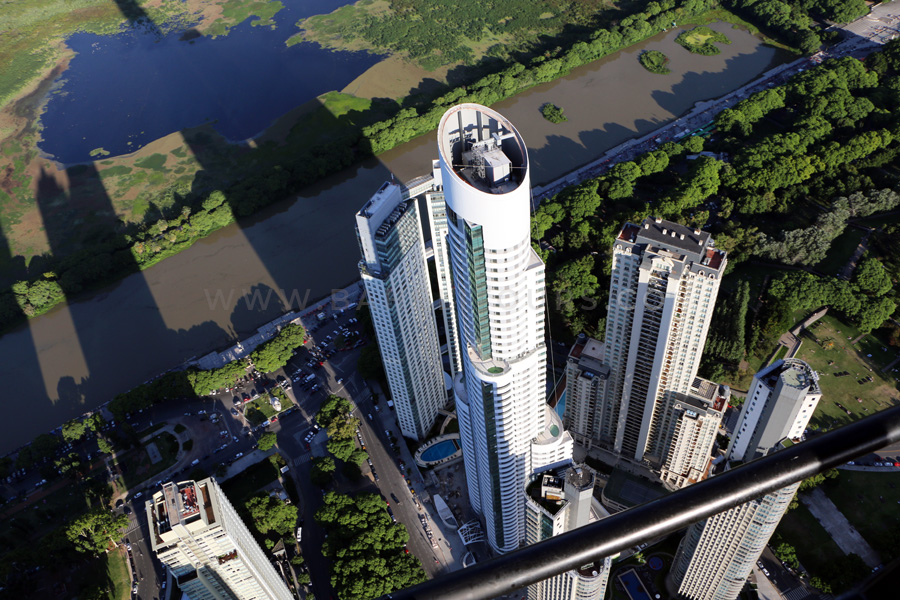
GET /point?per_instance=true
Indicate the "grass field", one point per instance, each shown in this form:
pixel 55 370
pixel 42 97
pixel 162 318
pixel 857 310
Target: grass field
pixel 828 350
pixel 814 546
pixel 871 502
pixel 242 486
pixel 137 466
pixel 117 575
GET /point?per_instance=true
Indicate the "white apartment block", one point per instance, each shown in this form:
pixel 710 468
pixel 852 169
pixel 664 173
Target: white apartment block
pixel 437 212
pixel 717 555
pixel 198 535
pixel 556 503
pixel 395 274
pixel 665 278
pixel 587 416
pixel 779 405
pixel 498 292
pixel 687 432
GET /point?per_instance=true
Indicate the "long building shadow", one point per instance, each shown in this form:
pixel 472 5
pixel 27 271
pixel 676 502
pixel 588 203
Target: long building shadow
pixel 81 366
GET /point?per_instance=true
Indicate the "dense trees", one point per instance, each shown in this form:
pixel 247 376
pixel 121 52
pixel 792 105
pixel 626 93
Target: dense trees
pixel 267 441
pixel 365 547
pixel 93 532
pixel 271 515
pixel 275 353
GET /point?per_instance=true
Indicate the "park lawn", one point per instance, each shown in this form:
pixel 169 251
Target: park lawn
pixel 828 351
pixel 814 545
pixel 871 502
pixel 117 575
pixel 260 410
pixel 842 248
pixel 137 465
pixel 243 485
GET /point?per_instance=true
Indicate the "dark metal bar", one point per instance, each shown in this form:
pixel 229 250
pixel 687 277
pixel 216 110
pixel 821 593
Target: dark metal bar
pixel 513 571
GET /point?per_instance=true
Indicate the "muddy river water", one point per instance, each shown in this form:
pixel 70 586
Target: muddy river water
pixel 78 356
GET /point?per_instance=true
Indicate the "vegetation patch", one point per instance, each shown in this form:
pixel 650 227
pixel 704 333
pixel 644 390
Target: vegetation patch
pixel 553 113
pixel 154 162
pixel 243 485
pixel 702 40
pixel 99 152
pixel 655 62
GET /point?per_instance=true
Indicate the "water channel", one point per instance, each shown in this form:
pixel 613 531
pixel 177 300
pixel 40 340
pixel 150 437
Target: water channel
pixel 78 356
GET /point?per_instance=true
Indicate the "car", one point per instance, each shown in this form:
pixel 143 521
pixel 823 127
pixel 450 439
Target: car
pixel 254 393
pixel 234 411
pixel 187 414
pixel 274 419
pixel 340 380
pixel 238 455
pixel 201 412
pixel 138 495
pixel 371 418
pixel 234 439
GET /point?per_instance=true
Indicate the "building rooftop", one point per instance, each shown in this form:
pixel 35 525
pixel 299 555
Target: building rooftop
pixel 794 373
pixel 672 235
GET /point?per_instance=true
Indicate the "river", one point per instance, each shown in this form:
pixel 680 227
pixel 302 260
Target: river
pixel 79 355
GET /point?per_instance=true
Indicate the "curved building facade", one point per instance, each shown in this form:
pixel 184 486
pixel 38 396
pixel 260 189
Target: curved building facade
pixel 498 283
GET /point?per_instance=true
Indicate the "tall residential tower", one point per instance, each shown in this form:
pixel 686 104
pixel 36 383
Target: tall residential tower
pixel 395 274
pixel 555 503
pixel 665 278
pixel 199 536
pixel 507 431
pixel 717 554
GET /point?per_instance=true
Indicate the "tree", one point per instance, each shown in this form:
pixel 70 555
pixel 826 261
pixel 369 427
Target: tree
pixel 323 467
pixel 787 554
pixel 92 532
pixel 275 353
pixel 572 281
pixel 270 514
pixel 73 430
pixel 44 446
pixel 872 278
pixel 267 441
pixel 333 408
pixel 104 445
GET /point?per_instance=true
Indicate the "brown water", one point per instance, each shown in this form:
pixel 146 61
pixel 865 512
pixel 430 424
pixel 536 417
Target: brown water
pixel 78 356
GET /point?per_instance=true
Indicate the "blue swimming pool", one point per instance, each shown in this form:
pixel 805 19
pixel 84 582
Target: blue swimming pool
pixel 440 450
pixel 633 586
pixel 561 405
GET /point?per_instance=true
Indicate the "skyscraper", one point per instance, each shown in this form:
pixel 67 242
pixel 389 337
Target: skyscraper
pixel 556 503
pixel 717 554
pixel 395 274
pixel 196 532
pixel 779 405
pixel 437 212
pixel 665 278
pixel 506 429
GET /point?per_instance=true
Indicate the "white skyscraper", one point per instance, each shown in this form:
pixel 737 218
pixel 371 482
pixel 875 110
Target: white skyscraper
pixel 560 502
pixel 196 532
pixel 665 278
pixel 437 212
pixel 506 429
pixel 395 274
pixel 779 405
pixel 717 554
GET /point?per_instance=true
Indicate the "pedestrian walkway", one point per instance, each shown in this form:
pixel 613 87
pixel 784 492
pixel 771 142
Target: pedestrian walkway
pixel 838 527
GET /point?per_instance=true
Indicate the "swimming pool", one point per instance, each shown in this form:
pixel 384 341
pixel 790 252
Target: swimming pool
pixel 633 586
pixel 440 451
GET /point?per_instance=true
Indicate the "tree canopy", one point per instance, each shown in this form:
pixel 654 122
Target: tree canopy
pixel 92 532
pixel 365 547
